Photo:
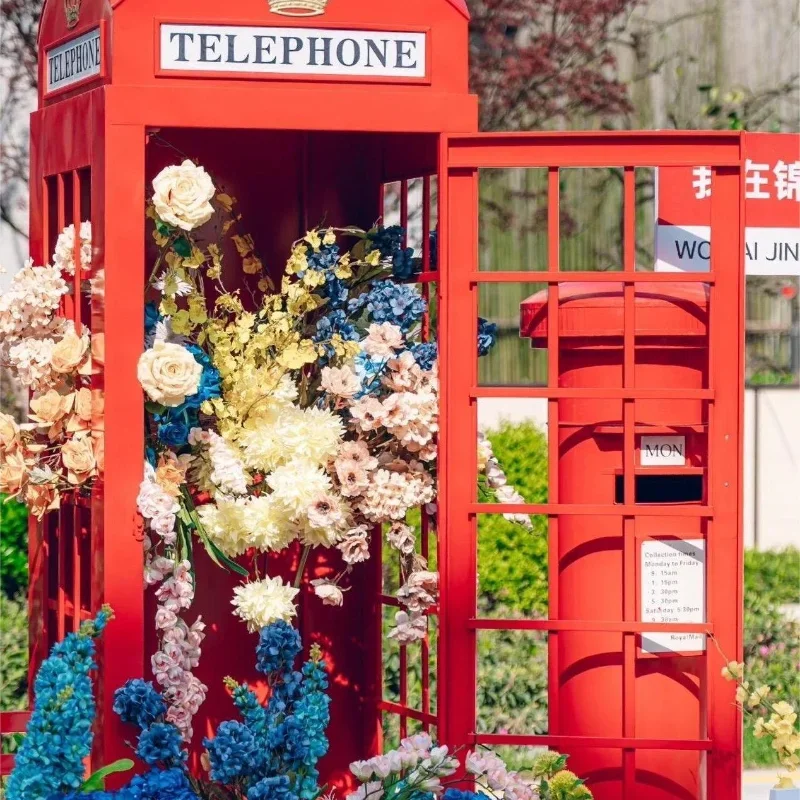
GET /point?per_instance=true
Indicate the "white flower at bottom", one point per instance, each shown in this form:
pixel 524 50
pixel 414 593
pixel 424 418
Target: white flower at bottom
pixel 368 791
pixel 263 602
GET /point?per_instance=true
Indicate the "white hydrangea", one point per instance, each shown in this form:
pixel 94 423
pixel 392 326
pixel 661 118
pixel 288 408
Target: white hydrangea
pixel 227 470
pixel 290 434
pixel 64 255
pixel 261 603
pixel 296 485
pixel 28 305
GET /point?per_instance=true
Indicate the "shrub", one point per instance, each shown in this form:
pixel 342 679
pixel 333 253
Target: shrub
pixel 13 547
pixel 14 647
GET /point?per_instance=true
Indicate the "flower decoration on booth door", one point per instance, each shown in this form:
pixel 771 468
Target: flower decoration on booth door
pixel 60 448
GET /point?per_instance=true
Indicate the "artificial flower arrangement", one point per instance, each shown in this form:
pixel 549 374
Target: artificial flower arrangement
pixel 271 753
pixel 61 447
pixel 772 719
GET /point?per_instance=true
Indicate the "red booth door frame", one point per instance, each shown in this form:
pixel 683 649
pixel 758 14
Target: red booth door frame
pixel 461 158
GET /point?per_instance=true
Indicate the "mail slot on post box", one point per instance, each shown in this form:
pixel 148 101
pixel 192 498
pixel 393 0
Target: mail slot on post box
pixel 666 454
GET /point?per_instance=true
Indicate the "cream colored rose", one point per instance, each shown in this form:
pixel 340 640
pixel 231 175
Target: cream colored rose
pixel 181 196
pixel 9 433
pixel 69 352
pixel 13 471
pixel 40 499
pixel 78 457
pixel 169 373
pixel 83 404
pixel 50 407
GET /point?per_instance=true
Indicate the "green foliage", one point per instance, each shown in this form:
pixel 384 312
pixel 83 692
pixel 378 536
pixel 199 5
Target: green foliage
pixel 512 561
pixel 13 547
pixel 771 639
pixel 14 649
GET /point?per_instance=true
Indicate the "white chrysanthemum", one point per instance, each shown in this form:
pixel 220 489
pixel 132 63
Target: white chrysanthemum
pixel 296 485
pixel 225 524
pixel 268 526
pixel 227 470
pixel 291 434
pixel 263 602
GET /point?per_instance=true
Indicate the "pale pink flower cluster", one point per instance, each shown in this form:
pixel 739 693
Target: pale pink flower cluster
pixel 28 306
pixel 64 255
pixel 420 763
pixel 394 488
pixel 179 648
pixel 383 340
pixel 490 768
pixel 157 507
pixel 496 479
pixel 409 627
pixel 420 592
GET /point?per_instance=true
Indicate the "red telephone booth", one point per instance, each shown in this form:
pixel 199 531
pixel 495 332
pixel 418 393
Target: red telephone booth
pixel 307 117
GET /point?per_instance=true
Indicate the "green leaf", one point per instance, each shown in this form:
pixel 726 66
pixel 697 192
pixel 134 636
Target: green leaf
pixel 218 557
pixel 183 247
pixel 154 408
pixel 163 228
pixel 97 781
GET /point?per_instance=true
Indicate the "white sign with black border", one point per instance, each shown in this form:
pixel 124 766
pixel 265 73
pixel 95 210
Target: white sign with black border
pixel 662 451
pixel 73 61
pixel 292 51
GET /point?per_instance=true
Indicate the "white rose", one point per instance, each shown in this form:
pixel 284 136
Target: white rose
pixel 181 195
pixel 328 592
pixel 169 373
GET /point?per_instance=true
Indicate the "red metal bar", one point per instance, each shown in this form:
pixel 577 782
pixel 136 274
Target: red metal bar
pixel 592 394
pixel 569 743
pixel 403 690
pixel 553 276
pixel 404 210
pixel 76 250
pixel 411 713
pixel 625 626
pixel 61 593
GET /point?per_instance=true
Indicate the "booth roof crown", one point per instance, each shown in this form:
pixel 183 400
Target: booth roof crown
pixel 72 11
pixel 298 8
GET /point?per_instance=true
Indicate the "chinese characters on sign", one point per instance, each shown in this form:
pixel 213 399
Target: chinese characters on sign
pixel 772 210
pixel 673 589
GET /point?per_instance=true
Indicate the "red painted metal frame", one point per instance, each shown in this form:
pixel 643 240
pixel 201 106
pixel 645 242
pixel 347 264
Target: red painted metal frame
pixel 461 158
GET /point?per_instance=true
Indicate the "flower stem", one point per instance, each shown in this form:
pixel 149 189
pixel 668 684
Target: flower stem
pixel 302 566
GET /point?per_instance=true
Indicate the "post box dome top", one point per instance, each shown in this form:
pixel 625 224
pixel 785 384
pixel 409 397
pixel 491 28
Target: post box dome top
pixel 419 45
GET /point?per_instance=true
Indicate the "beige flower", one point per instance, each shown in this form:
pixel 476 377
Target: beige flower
pixel 69 352
pixel 13 471
pixel 99 447
pixel 50 407
pixel 170 475
pixel 9 433
pixel 382 340
pixel 181 196
pixel 169 373
pixel 340 381
pixel 40 498
pixel 83 404
pixel 328 592
pixel 79 459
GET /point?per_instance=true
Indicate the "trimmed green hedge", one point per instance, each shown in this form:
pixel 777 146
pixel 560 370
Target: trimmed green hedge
pixel 13 547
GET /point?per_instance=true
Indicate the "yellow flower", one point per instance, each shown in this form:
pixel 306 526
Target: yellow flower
pixel 195 260
pixel 784 782
pixel 197 309
pixel 244 244
pixel 757 696
pixel 226 201
pixel 784 709
pixel 733 670
pixel 313 238
pixel 330 237
pixel 298 354
pixel 168 307
pixel 373 258
pixel 313 278
pixel 343 269
pixel 298 262
pixel 758 728
pixel 741 694
pixel 252 265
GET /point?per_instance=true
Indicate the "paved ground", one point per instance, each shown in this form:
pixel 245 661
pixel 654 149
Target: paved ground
pixel 757 783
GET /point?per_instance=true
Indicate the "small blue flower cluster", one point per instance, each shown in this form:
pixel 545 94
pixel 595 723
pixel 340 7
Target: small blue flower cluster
pixel 487 336
pixel 59 734
pixel 387 301
pixel 389 241
pixel 159 784
pixel 138 703
pixel 425 355
pixel 273 753
pixel 161 743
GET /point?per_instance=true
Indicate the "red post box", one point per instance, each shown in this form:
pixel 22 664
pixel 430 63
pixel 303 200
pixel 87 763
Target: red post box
pixel 671 449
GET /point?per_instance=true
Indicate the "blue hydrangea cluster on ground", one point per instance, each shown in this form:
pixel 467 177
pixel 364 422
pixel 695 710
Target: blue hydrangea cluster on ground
pixel 59 735
pixel 273 752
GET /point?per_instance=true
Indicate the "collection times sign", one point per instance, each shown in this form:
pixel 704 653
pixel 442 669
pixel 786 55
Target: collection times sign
pixel 292 51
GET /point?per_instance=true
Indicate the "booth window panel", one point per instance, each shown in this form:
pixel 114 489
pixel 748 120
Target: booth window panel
pixel 512 356
pixel 513 461
pixel 512 695
pixel 669 775
pixel 644 200
pixel 513 207
pixel 772 331
pixel 413 205
pixel 591 219
pixel 513 581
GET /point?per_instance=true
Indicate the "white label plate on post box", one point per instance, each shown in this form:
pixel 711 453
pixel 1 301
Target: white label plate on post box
pixel 74 61
pixel 663 451
pixel 292 51
pixel 673 589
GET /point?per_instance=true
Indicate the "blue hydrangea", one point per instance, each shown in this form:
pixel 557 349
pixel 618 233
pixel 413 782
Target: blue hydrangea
pixel 326 258
pixel 460 794
pixel 234 753
pixel 278 647
pixel 387 240
pixel 425 354
pixel 335 322
pixel 398 304
pixel 487 336
pixel 274 788
pixel 138 703
pixel 161 743
pixel 173 431
pixel 210 381
pixel 253 713
pixel 404 265
pixel 51 757
pixel 158 784
pixel 151 317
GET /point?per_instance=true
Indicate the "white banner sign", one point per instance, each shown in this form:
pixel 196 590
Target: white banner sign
pixel 673 589
pixel 74 61
pixel 292 51
pixel 663 451
pixel 768 251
